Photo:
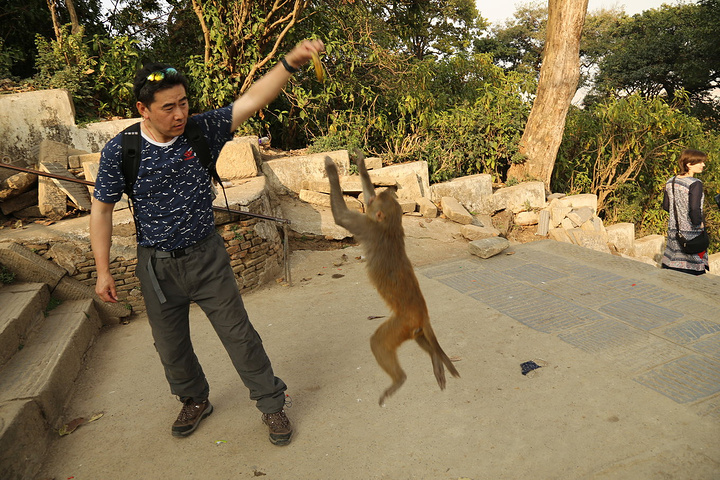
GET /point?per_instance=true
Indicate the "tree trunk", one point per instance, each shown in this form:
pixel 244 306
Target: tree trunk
pixel 73 16
pixel 56 22
pixel 197 8
pixel 559 76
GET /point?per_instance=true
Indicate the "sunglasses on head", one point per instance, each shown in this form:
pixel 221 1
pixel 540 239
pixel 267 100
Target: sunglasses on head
pixel 160 74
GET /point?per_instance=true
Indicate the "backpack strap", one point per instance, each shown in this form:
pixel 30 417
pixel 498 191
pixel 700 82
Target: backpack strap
pixel 198 142
pixel 131 152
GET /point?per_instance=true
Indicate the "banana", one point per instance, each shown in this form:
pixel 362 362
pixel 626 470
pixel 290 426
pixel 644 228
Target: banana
pixel 319 72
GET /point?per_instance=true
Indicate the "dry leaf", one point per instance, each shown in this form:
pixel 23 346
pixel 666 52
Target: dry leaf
pixel 69 428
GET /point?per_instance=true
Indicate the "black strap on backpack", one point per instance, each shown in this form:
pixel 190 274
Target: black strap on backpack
pixel 132 151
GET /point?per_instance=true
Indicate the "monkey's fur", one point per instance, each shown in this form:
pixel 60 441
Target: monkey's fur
pixel 381 233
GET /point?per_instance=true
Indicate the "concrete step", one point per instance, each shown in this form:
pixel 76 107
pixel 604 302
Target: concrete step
pixel 21 313
pixel 31 267
pixel 36 383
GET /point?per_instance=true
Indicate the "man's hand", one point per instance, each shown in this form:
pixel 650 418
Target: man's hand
pixel 105 288
pixel 303 52
pixel 267 88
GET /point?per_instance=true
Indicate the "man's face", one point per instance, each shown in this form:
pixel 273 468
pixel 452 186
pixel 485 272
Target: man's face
pixel 166 116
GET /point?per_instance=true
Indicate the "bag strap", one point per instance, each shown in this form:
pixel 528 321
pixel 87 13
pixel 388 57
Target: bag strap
pixel 131 152
pixel 198 142
pixel 677 223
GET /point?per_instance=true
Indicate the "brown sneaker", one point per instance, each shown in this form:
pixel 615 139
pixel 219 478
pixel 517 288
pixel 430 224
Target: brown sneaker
pixel 190 416
pixel 280 428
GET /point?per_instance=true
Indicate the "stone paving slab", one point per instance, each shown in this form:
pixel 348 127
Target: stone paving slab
pixel 623 312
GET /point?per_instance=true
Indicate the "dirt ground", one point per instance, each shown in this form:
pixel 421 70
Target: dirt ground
pixel 579 417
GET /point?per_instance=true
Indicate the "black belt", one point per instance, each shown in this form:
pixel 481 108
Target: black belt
pixel 180 252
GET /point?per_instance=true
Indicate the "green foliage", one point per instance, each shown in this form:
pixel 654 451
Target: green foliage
pixel 118 58
pixel 430 27
pixel 8 57
pixel 52 305
pixel 66 63
pixel 624 150
pixel 662 51
pixel 6 276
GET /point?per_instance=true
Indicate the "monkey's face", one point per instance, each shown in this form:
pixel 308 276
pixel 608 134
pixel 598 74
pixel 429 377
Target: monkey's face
pixel 384 208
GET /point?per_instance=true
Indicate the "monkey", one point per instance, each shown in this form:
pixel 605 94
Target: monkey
pixel 382 236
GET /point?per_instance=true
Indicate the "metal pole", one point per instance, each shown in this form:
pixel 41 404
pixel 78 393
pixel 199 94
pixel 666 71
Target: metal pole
pixel 284 221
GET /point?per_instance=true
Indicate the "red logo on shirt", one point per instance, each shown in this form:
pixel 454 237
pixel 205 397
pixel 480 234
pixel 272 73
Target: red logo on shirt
pixel 189 154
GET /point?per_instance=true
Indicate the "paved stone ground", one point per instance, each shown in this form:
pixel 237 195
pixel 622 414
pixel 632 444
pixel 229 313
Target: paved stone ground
pixel 628 384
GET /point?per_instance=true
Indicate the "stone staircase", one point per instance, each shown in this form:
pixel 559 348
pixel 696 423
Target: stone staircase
pixel 48 322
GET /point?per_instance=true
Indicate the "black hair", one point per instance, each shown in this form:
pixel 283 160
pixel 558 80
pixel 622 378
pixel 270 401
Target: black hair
pixel 145 89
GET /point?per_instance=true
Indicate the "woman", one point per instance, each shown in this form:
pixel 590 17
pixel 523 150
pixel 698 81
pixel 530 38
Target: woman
pixel 686 193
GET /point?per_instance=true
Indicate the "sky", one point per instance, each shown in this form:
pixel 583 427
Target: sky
pixel 496 11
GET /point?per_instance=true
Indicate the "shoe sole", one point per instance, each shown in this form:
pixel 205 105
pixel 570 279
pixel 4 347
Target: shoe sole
pixel 282 441
pixel 205 414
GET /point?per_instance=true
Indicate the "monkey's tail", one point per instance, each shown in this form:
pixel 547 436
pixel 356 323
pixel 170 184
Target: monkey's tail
pixel 427 340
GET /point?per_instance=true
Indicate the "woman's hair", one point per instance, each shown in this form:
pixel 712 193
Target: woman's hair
pixel 154 77
pixel 690 157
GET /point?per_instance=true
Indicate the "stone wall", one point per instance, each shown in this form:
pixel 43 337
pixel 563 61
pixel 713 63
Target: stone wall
pixel 254 258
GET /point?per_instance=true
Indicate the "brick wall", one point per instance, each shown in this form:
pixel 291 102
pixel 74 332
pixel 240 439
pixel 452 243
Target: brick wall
pixel 255 261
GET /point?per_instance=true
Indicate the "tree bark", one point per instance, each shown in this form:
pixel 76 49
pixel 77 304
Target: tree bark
pixel 559 76
pixel 197 8
pixel 73 16
pixel 55 21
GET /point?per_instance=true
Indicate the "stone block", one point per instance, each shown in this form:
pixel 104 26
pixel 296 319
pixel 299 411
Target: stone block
pixel 401 170
pixel 290 174
pixel 28 266
pixel 526 219
pixel 519 198
pixel 559 235
pixel 323 200
pixel 237 160
pixel 453 210
pixel 476 232
pixel 714 261
pixel 427 208
pixel 578 201
pixel 651 246
pixel 592 240
pixel 67 255
pixel 373 163
pixel 488 247
pixel 558 214
pixel 543 223
pixel 77 192
pixel 407 206
pixel 622 237
pixel 578 216
pixel 409 188
pixel 22 201
pixel 474 192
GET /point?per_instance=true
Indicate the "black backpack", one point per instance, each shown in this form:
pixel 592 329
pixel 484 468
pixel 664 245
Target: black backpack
pixel 132 147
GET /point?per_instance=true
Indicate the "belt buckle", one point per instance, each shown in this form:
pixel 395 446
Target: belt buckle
pixel 178 253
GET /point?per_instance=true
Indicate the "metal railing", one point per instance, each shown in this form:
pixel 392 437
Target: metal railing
pixel 284 221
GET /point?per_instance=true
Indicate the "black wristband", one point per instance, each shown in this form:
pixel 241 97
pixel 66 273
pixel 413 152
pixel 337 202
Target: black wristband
pixel 289 67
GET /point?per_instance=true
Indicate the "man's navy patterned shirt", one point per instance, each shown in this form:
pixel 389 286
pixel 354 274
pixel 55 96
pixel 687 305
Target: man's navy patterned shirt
pixel 173 193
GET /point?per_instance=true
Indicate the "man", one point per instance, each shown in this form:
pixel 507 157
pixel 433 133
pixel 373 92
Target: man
pixel 181 257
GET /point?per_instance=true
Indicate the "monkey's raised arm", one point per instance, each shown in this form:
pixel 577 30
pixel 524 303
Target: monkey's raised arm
pixel 355 222
pixel 368 188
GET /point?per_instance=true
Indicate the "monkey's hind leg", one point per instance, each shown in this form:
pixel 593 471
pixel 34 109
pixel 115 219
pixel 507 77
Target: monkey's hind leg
pixel 384 344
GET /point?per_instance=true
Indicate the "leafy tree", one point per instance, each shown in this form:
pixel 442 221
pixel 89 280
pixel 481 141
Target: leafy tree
pixel 557 85
pixel 623 149
pixel 517 44
pixel 664 50
pixel 430 27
